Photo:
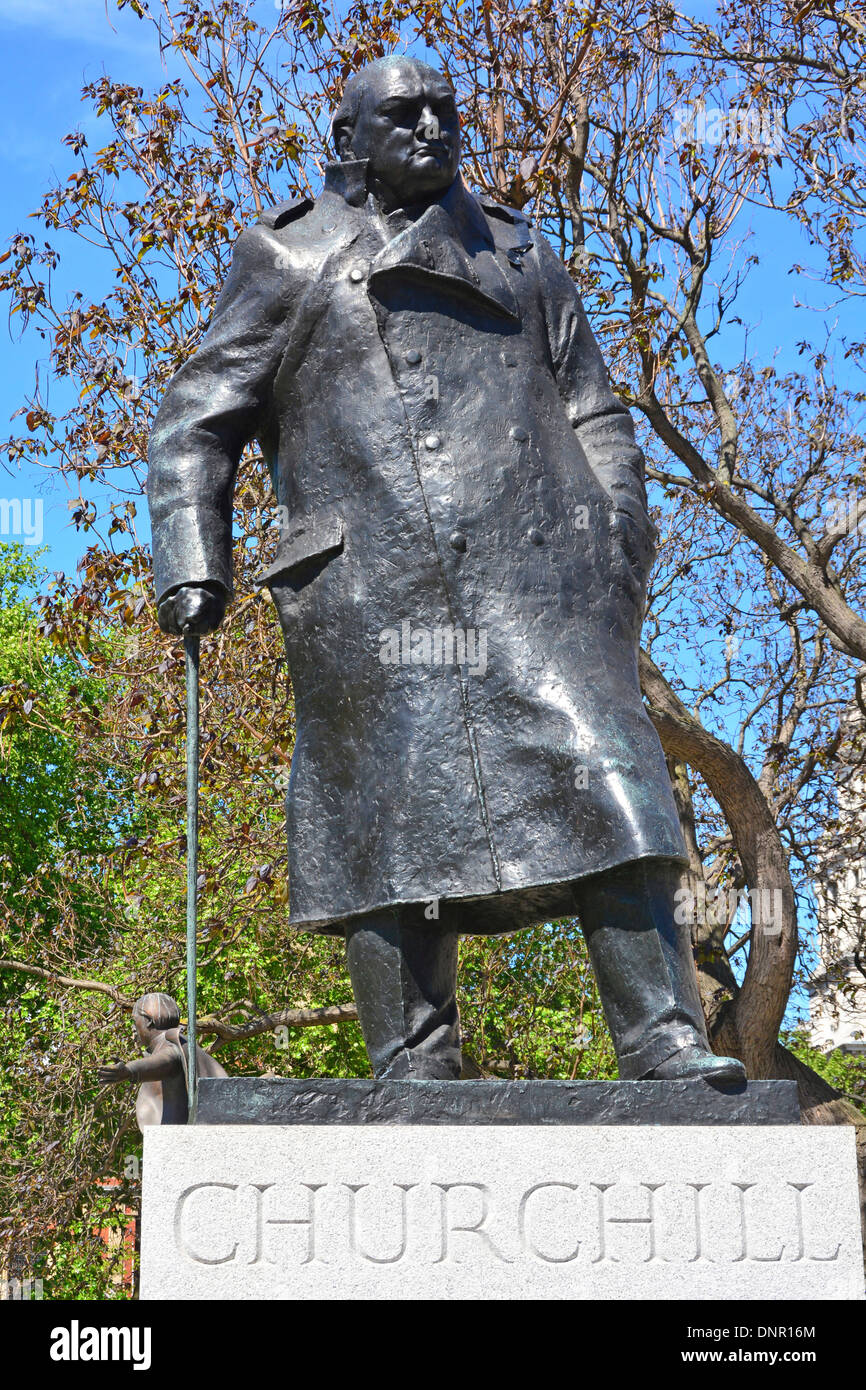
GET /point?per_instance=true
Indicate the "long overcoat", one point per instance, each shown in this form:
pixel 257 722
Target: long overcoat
pixel 462 565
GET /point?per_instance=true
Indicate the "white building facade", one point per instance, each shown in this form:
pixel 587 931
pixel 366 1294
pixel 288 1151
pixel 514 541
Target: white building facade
pixel 838 988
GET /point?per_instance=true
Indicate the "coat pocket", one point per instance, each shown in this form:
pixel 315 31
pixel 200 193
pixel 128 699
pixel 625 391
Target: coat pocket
pixel 303 553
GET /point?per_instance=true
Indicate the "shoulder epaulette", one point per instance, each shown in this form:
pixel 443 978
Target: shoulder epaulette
pixel 505 213
pixel 283 213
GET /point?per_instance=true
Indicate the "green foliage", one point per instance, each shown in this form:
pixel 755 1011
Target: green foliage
pixel 529 1006
pixel 46 808
pixel 846 1071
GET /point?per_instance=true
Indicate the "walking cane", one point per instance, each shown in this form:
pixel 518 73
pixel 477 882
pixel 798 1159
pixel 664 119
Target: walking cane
pixel 191 652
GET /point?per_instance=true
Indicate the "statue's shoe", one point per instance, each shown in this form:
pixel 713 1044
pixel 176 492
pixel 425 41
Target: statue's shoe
pixel 694 1062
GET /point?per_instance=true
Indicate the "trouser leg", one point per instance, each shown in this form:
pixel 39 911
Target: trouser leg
pixel 404 977
pixel 643 964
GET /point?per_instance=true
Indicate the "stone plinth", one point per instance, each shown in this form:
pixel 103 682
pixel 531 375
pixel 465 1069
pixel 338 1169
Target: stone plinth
pixel 502 1211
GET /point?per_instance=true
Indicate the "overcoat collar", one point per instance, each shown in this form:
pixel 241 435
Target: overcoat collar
pixel 348 178
pixel 449 242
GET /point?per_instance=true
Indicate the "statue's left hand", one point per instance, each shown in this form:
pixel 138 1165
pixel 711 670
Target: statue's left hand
pixel 195 609
pixel 110 1075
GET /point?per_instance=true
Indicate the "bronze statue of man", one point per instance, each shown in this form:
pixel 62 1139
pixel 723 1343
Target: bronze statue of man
pixel 460 581
pixel 162 1094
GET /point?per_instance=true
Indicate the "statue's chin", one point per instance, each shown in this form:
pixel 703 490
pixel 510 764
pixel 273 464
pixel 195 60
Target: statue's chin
pixel 425 180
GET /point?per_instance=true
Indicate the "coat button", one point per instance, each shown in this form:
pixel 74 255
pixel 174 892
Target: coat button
pixel 432 441
pixel 519 433
pixel 536 536
pixel 356 274
pixel 413 357
pixel 457 541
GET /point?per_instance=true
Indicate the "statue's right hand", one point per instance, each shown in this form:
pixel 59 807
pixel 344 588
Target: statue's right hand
pixel 109 1076
pixel 193 609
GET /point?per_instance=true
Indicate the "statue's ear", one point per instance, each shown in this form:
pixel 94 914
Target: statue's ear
pixel 341 134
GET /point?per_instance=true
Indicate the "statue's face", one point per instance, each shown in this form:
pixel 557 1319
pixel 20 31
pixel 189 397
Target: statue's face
pixel 408 129
pixel 142 1026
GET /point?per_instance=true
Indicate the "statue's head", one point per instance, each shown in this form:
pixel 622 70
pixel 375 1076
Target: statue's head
pixel 401 116
pixel 152 1014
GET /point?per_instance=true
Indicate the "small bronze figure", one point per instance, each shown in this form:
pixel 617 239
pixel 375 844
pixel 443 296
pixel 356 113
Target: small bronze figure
pixel 162 1095
pixel 460 580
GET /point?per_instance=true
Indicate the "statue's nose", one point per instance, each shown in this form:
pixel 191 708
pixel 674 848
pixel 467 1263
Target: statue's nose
pixel 429 124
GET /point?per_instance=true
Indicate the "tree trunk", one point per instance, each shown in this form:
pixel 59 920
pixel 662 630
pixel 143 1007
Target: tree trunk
pixel 753 1012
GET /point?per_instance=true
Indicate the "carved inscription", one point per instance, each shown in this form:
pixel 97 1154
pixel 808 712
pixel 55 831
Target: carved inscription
pixel 553 1222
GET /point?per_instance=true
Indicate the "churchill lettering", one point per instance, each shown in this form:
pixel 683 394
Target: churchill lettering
pixel 306 1222
pixel 356 1247
pixel 524 1223
pixel 551 1222
pixel 606 1220
pixel 473 1225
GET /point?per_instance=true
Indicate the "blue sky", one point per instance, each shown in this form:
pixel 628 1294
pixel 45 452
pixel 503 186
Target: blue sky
pixel 52 50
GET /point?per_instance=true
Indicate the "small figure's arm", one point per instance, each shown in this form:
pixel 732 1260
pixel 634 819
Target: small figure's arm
pixel 156 1066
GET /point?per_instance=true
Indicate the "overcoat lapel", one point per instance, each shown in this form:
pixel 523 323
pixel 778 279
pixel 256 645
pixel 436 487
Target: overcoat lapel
pixel 450 243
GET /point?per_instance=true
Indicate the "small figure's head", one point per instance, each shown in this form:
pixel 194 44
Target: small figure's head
pixel 401 115
pixel 152 1014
